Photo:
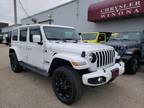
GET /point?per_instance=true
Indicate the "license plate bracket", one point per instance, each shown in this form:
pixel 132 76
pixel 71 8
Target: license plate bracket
pixel 115 73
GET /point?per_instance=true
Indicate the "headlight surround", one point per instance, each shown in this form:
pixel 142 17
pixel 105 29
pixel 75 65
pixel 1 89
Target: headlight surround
pixel 92 57
pixel 75 63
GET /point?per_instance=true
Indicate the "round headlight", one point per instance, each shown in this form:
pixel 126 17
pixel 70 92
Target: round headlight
pixel 92 58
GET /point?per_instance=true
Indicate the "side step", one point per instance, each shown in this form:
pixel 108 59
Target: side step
pixel 34 69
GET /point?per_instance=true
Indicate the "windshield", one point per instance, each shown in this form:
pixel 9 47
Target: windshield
pixel 57 33
pixel 91 36
pixel 133 36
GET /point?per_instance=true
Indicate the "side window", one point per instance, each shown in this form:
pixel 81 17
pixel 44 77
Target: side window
pixel 23 35
pixel 34 31
pixel 15 35
pixel 101 38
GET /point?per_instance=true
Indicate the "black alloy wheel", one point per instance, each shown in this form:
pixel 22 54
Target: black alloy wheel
pixel 15 63
pixel 67 85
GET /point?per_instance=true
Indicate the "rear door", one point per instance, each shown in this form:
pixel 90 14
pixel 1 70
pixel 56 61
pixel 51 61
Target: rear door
pixel 23 44
pixel 35 50
pixel 14 38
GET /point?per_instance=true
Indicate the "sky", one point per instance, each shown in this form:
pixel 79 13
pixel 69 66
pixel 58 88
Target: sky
pixel 31 6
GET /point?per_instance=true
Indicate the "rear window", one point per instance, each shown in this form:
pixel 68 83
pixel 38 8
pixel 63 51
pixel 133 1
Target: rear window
pixel 23 35
pixel 15 35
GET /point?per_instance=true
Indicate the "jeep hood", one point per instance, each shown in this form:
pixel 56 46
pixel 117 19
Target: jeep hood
pixel 122 43
pixel 122 46
pixel 78 47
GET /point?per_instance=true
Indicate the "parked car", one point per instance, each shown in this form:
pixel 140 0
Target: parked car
pixel 94 37
pixel 4 38
pixel 114 34
pixel 130 46
pixel 56 51
pixel 8 38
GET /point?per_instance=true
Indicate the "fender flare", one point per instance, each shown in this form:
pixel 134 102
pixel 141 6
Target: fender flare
pixel 69 58
pixel 131 53
pixel 14 49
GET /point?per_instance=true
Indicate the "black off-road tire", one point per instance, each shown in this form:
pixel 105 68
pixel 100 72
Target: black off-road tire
pixel 132 66
pixel 15 66
pixel 67 85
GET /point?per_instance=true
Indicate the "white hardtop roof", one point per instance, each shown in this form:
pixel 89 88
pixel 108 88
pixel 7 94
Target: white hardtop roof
pixel 48 25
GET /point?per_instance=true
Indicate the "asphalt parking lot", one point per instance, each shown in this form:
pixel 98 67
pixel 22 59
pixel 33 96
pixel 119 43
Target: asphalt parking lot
pixel 30 90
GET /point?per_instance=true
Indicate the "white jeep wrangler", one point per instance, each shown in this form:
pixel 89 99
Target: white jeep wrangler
pixel 57 51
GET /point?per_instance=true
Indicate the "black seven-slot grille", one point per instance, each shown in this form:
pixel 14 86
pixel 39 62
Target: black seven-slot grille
pixel 105 57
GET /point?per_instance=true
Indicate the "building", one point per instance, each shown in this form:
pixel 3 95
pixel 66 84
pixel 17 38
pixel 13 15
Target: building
pixel 7 29
pixel 73 13
pixel 117 15
pixel 2 25
pixel 95 15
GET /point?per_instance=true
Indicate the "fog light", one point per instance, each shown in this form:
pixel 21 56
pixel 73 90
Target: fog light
pixel 100 79
pixel 97 80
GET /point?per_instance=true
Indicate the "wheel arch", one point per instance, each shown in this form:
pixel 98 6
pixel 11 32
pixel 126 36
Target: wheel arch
pixel 134 52
pixel 58 62
pixel 14 50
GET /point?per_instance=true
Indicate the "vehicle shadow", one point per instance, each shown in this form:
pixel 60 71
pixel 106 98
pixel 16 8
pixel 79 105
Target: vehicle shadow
pixel 114 94
pixel 91 95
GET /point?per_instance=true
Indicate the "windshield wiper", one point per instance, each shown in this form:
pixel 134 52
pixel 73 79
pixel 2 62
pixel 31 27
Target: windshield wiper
pixel 66 39
pixel 54 39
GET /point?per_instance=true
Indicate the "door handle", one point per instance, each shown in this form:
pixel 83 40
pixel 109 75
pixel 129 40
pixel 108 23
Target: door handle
pixel 40 43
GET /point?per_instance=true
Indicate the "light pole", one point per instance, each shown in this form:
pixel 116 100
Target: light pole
pixel 15 12
pixel 50 19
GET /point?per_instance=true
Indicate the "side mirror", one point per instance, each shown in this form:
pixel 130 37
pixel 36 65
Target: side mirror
pixel 79 34
pixel 36 38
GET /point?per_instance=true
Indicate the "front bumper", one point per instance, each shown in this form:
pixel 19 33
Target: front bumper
pixel 103 76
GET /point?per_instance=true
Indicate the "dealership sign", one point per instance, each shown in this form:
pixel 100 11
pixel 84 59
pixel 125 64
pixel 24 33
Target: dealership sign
pixel 115 9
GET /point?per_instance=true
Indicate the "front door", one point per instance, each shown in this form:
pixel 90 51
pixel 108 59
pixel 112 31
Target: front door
pixel 35 50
